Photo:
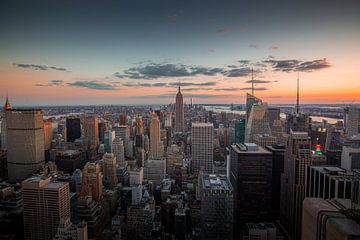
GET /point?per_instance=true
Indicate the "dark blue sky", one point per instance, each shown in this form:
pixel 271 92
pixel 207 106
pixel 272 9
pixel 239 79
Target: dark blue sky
pixel 95 39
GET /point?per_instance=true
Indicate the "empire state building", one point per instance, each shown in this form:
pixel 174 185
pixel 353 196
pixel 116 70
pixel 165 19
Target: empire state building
pixel 179 112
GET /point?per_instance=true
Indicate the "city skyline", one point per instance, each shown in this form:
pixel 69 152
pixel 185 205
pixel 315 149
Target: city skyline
pixel 136 53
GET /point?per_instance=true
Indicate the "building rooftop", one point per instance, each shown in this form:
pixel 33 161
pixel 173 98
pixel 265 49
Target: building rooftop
pixel 249 148
pixel 336 172
pixel 216 182
pixel 201 124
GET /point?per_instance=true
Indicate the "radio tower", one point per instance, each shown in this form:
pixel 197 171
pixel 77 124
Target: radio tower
pixel 252 81
pixel 297 96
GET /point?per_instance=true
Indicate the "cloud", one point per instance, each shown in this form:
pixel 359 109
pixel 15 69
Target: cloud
pixel 40 67
pixel 93 84
pixel 238 72
pixel 231 89
pixel 256 81
pixel 244 62
pixel 283 65
pixel 291 65
pixel 187 95
pixel 158 70
pixel 170 85
pixel 273 47
pixel 211 50
pixel 256 46
pixel 309 66
pixel 50 83
pixel 223 30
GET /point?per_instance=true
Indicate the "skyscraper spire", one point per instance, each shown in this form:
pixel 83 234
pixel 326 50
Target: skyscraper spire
pixel 179 86
pixel 7 105
pixel 252 81
pixel 297 96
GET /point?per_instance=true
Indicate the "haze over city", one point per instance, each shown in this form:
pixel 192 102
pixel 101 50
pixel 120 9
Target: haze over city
pixel 136 52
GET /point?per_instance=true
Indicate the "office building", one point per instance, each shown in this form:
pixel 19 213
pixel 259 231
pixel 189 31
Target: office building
pixel 118 151
pixel 297 157
pixel 45 203
pixel 274 115
pixel 278 152
pixel 352 121
pixel 48 134
pixel 109 170
pixel 180 223
pixel 70 231
pixel 333 147
pixel 261 231
pixel 202 149
pixel 217 202
pixel 139 126
pixel 109 136
pixel 329 219
pixel 179 112
pixel 264 140
pixel 258 122
pixel 350 156
pixel 297 122
pixel 70 160
pixel 123 118
pixel 73 129
pixel 250 101
pixel 155 170
pixel 92 213
pixel 136 176
pixel 330 182
pixel 25 142
pixel 91 131
pixel 92 180
pixel 240 131
pixel 251 178
pixel 155 150
pixel 7 106
pixel 174 158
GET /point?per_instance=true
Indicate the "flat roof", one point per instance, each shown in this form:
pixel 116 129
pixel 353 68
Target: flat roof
pixel 251 149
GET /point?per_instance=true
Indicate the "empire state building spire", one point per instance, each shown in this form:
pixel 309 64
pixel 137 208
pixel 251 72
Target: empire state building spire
pixel 7 105
pixel 179 112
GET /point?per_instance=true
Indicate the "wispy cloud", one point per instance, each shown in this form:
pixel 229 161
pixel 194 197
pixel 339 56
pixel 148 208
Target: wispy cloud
pixel 170 96
pixel 290 65
pixel 232 89
pixel 256 81
pixel 273 47
pixel 50 83
pixel 159 70
pixel 256 46
pixel 223 30
pixel 93 84
pixel 40 67
pixel 171 84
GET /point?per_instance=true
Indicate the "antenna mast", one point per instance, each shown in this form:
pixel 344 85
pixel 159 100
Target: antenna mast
pixel 297 96
pixel 252 81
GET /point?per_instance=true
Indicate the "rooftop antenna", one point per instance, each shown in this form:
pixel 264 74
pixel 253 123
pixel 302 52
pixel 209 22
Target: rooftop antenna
pixel 179 85
pixel 297 96
pixel 252 81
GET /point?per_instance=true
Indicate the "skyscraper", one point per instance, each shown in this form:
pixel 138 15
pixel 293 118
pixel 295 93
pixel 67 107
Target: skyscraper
pixel 48 133
pixel 250 101
pixel 109 170
pixel 350 156
pixel 240 131
pixel 352 121
pixel 155 136
pixel 258 122
pixel 202 137
pixel 217 203
pixel 92 181
pixel 117 149
pixel 139 126
pixel 91 131
pixel 328 219
pixel 73 129
pixel 251 178
pixel 297 157
pixel 45 203
pixel 7 106
pixel 274 114
pixel 179 112
pixel 25 142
